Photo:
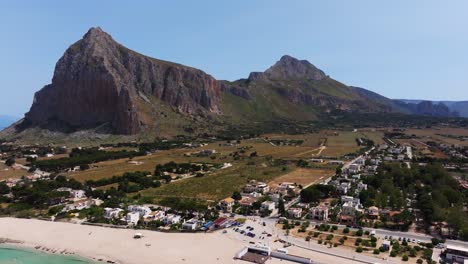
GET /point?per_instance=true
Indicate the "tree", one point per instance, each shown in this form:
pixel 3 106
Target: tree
pixel 236 196
pixel 281 209
pixel 10 162
pixel 4 189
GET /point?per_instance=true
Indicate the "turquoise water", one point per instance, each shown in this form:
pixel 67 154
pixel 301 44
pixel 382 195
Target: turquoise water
pixel 11 255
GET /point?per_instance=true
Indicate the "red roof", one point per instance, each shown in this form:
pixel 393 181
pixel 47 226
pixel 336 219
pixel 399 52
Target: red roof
pixel 219 221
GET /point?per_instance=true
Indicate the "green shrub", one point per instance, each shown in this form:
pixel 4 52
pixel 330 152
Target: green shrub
pixel 359 249
pixel 405 257
pixel 376 251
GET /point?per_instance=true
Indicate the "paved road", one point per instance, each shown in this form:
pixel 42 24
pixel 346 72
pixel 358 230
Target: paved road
pixel 336 252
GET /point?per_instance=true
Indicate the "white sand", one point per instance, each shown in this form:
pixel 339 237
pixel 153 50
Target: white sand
pixel 118 244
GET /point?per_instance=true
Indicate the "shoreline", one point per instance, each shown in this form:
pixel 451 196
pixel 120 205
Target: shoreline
pixel 110 245
pixel 21 245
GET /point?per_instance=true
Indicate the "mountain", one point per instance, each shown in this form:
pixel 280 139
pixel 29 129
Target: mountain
pixel 6 121
pixel 102 87
pixel 435 108
pixel 98 81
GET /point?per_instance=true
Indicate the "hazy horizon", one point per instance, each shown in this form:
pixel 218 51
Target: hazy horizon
pixel 401 50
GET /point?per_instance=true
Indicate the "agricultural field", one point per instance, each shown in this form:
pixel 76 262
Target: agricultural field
pixel 261 166
pixel 9 172
pixel 445 135
pixel 218 185
pixel 303 176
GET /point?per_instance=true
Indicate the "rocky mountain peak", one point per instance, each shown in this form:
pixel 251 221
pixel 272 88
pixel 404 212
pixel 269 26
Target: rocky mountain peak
pixel 289 67
pixel 98 81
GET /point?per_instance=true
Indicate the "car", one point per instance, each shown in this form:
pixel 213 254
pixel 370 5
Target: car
pixel 242 231
pixel 224 231
pixel 269 235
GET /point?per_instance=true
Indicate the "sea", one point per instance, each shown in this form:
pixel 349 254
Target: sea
pixel 13 255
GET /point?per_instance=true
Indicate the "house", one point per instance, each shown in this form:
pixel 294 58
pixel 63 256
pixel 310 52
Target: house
pixel 295 212
pixel 361 187
pixel 319 213
pixel 336 162
pixel 303 205
pixel 287 186
pixel 345 199
pixel 343 187
pixel 132 218
pixel 191 224
pixel 78 194
pixel 275 197
pixel 247 201
pixel 316 160
pixel 350 208
pixel 456 254
pixel 141 210
pixel 226 204
pixel 386 244
pixel 268 206
pixel 79 205
pixel 254 186
pixel 112 213
pixel 171 219
pixel 354 168
pixel 156 215
pixel 373 212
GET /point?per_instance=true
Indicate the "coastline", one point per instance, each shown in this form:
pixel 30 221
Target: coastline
pixel 22 246
pixel 109 245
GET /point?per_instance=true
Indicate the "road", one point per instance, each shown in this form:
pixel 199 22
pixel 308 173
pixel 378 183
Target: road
pixel 312 246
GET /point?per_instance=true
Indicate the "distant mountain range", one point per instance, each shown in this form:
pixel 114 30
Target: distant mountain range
pixel 100 85
pixel 457 108
pixel 6 121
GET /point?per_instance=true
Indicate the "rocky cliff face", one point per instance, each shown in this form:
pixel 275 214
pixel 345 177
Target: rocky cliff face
pixel 98 81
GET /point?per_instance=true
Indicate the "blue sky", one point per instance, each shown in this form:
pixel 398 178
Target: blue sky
pixel 399 48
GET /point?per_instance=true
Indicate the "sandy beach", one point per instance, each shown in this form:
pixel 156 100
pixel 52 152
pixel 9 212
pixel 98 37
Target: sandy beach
pixel 118 244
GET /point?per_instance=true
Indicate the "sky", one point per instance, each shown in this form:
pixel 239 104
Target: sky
pixel 400 49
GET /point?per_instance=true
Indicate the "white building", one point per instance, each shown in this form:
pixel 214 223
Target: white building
pixel 345 199
pixel 171 219
pixel 143 211
pixel 343 187
pixel 78 194
pixel 319 213
pixel 354 168
pixel 361 186
pixel 191 224
pixel 456 254
pixel 268 205
pixel 295 212
pixel 111 213
pixel 132 218
pixel 350 208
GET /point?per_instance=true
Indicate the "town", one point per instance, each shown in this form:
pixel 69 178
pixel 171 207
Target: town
pixel 374 203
